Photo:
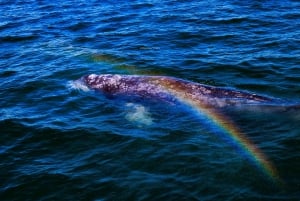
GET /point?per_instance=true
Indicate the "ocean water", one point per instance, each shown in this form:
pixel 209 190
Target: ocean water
pixel 62 143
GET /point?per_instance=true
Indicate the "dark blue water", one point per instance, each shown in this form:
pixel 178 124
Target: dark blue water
pixel 58 143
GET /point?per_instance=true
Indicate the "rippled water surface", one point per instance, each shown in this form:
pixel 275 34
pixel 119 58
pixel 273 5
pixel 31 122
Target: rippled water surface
pixel 61 143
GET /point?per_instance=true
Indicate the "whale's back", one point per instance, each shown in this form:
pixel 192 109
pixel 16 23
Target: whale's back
pixel 171 89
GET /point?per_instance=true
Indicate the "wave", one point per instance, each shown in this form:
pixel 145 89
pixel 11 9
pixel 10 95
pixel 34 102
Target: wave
pixel 18 38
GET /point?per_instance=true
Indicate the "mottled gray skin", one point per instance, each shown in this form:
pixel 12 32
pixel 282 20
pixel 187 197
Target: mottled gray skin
pixel 170 88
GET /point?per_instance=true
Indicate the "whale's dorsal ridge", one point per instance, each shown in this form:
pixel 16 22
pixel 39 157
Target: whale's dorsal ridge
pixel 161 87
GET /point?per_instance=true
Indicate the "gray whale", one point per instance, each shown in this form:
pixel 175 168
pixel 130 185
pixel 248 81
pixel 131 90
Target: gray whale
pixel 170 88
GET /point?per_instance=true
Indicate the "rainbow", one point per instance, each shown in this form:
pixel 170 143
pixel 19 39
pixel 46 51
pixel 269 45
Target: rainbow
pixel 248 148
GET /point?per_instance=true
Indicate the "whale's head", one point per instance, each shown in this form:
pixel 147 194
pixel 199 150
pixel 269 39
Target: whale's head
pixel 106 82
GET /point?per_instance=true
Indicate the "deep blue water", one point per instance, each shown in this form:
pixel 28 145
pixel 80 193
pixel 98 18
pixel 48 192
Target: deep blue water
pixel 58 143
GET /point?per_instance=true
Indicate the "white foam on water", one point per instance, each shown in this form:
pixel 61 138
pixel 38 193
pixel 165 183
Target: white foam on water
pixel 77 85
pixel 138 114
